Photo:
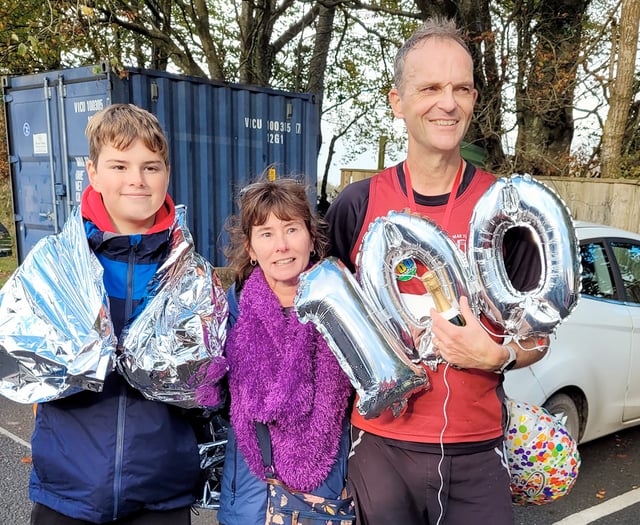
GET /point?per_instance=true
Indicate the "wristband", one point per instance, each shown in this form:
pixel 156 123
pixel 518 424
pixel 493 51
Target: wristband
pixel 510 362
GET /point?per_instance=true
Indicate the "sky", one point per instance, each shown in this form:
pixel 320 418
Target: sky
pixel 368 160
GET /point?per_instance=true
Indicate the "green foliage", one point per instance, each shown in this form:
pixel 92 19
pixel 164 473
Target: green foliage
pixel 40 36
pixel 275 44
pixel 7 267
pixel 361 77
pixel 7 264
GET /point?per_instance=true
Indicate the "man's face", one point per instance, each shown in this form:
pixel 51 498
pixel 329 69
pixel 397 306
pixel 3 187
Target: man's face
pixel 133 184
pixel 437 96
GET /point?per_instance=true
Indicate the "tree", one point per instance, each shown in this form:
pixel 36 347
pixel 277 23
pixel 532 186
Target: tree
pixel 529 56
pixel 33 36
pixel 549 43
pixel 487 127
pixel 626 42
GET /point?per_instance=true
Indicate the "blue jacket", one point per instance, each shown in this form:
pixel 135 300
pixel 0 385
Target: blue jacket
pixel 243 496
pixel 101 456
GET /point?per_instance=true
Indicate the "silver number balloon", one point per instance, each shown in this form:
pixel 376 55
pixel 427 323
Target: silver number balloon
pixel 521 201
pixel 368 326
pixel 514 202
pixel 371 355
pixel 390 240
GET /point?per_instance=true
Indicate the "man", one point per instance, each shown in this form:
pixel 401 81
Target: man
pixel 442 460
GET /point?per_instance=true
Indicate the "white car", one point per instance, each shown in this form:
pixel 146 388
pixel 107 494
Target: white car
pixel 591 373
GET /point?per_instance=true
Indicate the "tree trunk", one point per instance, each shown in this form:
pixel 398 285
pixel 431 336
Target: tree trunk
pixel 474 17
pixel 486 128
pixel 544 106
pixel 203 30
pixel 317 69
pixel 256 28
pixel 621 89
pixel 162 19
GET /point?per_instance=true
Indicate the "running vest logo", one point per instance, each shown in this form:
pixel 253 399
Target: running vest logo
pixel 405 270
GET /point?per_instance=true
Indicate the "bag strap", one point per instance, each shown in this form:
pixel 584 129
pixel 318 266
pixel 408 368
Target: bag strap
pixel 264 442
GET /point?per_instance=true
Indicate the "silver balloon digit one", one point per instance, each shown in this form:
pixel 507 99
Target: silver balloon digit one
pixel 522 202
pixel 390 240
pixel 373 358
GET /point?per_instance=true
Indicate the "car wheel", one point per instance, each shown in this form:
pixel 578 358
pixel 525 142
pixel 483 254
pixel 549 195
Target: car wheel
pixel 563 406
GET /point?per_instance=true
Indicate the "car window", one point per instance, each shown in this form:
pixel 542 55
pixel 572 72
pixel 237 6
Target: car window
pixel 628 258
pixel 597 279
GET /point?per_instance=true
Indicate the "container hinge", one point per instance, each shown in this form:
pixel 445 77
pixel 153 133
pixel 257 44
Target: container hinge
pixel 155 92
pixel 60 189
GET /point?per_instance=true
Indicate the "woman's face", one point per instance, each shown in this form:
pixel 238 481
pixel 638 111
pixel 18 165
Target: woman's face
pixel 282 249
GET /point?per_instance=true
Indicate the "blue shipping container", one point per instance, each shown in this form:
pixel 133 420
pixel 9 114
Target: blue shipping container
pixel 221 137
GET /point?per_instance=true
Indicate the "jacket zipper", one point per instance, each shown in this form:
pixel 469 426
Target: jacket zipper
pixel 122 400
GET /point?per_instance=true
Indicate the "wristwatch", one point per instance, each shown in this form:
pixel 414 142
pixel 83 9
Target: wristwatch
pixel 510 362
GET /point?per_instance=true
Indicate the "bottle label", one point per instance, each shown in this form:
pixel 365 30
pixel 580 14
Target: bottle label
pixel 450 313
pixel 453 315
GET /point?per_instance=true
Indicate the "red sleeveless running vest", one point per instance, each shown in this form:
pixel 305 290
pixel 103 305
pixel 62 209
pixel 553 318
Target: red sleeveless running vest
pixel 473 408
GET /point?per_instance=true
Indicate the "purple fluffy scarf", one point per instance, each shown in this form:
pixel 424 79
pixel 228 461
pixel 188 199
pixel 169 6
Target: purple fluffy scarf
pixel 282 373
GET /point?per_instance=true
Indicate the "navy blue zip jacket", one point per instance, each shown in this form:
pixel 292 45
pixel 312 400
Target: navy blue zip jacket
pixel 102 456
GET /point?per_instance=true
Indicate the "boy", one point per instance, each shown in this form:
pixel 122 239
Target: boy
pixel 115 456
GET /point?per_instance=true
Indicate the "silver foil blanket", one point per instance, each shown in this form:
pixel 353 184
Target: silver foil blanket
pixel 167 349
pixel 57 293
pixel 56 336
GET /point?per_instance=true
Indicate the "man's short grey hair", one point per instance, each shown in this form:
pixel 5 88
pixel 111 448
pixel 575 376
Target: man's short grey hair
pixel 435 27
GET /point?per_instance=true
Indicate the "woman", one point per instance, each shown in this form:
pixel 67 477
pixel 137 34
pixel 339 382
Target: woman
pixel 280 371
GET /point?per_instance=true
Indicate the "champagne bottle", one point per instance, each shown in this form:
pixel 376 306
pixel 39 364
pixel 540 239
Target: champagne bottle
pixel 442 303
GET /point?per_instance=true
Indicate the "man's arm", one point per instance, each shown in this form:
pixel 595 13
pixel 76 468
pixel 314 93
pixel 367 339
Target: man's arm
pixel 345 217
pixel 471 346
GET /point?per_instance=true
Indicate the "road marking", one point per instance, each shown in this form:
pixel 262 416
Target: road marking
pixel 17 439
pixel 603 509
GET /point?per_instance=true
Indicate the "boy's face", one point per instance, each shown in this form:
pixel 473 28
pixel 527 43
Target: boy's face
pixel 133 184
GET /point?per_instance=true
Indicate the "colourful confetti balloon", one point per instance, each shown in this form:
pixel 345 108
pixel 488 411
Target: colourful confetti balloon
pixel 543 458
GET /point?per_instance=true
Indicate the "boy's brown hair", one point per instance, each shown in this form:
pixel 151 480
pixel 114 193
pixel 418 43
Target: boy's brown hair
pixel 120 125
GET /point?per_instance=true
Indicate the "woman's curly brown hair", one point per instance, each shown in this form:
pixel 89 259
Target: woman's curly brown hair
pixel 287 199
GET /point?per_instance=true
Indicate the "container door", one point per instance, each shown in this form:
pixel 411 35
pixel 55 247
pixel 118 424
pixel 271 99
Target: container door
pixel 79 102
pixel 221 137
pixel 46 118
pixel 31 118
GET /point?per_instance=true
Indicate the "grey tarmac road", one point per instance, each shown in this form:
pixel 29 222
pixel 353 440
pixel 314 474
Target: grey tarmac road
pixel 607 491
